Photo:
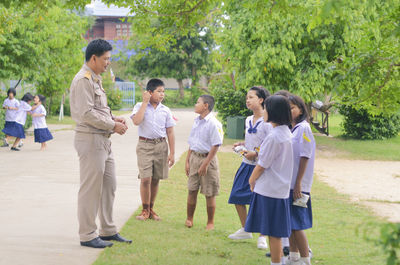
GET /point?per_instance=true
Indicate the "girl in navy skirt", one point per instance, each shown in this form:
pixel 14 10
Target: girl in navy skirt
pixel 269 212
pixel 303 170
pixel 18 130
pixel 256 131
pixel 42 133
pixel 11 105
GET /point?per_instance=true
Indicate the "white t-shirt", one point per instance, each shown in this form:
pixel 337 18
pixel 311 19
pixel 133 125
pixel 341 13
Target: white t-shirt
pixel 303 146
pixel 276 157
pixel 205 134
pixel 11 115
pixel 22 110
pixel 254 138
pixel 39 122
pixel 155 120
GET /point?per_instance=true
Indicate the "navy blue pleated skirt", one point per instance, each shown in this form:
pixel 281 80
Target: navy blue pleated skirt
pixel 300 217
pixel 241 193
pixel 13 128
pixel 42 135
pixel 268 216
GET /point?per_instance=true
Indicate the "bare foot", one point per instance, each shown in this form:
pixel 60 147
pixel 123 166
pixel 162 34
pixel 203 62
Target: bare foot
pixel 210 227
pixel 189 224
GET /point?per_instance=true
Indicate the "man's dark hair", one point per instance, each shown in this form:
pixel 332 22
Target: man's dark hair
pixel 97 47
pixel 27 97
pixel 278 109
pixel 207 99
pixel 153 84
pixel 11 90
pixel 299 102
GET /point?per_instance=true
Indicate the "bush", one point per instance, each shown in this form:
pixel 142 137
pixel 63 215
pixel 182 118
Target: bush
pixel 229 101
pixel 359 124
pixel 390 242
pixel 3 96
pixel 114 98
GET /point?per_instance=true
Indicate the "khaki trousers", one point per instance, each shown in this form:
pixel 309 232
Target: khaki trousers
pixel 97 185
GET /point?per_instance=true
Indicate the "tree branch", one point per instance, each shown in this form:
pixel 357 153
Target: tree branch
pixel 180 13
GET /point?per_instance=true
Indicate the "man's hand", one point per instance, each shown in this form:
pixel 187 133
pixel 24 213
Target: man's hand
pixel 171 160
pixel 146 96
pixel 120 128
pixel 120 119
pixel 187 167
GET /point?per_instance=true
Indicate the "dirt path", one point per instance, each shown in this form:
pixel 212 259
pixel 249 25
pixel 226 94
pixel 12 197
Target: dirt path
pixel 375 184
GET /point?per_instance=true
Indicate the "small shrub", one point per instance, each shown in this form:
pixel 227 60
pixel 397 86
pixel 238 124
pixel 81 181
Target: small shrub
pixel 3 96
pixel 390 242
pixel 114 98
pixel 359 124
pixel 228 100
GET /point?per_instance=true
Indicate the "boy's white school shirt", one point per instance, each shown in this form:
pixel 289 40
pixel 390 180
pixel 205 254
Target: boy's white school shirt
pixel 276 157
pixel 155 120
pixel 21 113
pixel 39 122
pixel 254 140
pixel 205 134
pixel 11 115
pixel 303 146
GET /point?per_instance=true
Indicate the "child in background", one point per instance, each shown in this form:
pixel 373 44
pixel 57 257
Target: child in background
pixel 269 212
pixel 201 162
pixel 11 105
pixel 302 177
pixel 155 124
pixel 256 131
pixel 42 133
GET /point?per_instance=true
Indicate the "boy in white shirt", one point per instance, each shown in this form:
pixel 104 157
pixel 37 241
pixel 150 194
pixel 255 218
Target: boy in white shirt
pixel 155 123
pixel 201 162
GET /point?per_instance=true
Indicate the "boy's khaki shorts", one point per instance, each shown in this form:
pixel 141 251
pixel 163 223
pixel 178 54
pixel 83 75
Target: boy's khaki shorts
pixel 152 159
pixel 208 184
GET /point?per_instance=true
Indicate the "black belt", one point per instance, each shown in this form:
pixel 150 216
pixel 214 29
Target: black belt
pixel 155 140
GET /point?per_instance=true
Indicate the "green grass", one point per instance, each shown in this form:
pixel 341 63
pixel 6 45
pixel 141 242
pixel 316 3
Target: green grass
pixel 54 120
pixel 334 238
pixel 388 149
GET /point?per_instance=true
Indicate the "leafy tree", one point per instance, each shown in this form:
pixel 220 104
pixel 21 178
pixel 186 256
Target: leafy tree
pixel 43 47
pixel 187 57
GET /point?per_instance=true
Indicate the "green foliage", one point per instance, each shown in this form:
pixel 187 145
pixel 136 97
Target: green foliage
pixel 3 96
pixel 360 124
pixel 390 242
pixel 228 100
pixel 42 46
pixel 114 98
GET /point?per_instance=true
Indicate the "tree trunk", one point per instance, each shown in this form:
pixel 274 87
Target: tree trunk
pixel 181 89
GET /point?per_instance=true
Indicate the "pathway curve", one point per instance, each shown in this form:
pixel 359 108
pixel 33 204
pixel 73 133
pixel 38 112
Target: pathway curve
pixel 38 196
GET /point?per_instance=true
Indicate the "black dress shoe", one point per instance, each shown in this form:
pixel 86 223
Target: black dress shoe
pixel 116 237
pixel 96 243
pixel 285 250
pixel 14 149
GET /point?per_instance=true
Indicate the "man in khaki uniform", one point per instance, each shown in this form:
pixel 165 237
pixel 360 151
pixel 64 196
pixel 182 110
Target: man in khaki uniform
pixel 94 126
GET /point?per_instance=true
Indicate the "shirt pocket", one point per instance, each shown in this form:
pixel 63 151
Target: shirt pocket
pixel 99 98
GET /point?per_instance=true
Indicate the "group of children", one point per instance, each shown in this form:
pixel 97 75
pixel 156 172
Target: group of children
pixel 15 118
pixel 274 178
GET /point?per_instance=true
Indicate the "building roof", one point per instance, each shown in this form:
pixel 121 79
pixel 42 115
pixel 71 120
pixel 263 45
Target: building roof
pixel 99 9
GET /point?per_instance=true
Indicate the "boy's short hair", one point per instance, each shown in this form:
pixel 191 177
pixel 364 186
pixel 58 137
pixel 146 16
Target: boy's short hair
pixel 27 97
pixel 153 84
pixel 208 99
pixel 283 92
pixel 299 102
pixel 11 90
pixel 278 109
pixel 97 47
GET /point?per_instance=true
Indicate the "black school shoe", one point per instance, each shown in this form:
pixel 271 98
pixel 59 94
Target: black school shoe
pixel 96 243
pixel 285 250
pixel 116 237
pixel 15 149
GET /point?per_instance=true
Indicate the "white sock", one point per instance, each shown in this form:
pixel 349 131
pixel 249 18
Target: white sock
pixel 305 261
pixel 279 263
pixel 285 242
pixel 294 256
